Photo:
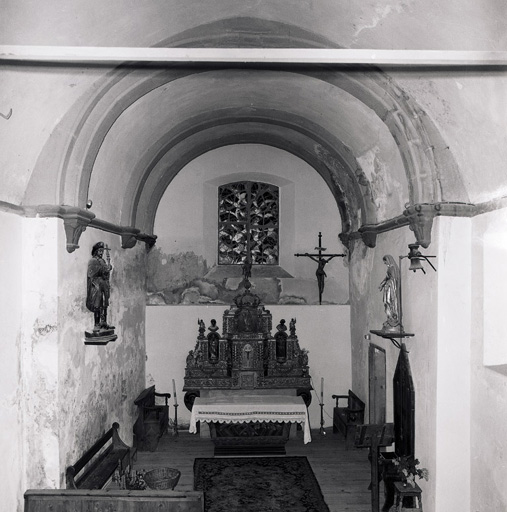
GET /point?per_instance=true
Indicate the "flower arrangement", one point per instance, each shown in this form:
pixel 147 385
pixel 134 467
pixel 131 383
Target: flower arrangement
pixel 408 469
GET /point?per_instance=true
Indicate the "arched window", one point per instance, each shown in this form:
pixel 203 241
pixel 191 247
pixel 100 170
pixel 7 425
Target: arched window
pixel 248 223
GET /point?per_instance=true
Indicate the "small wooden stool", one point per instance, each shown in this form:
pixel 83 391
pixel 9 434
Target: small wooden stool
pixel 401 492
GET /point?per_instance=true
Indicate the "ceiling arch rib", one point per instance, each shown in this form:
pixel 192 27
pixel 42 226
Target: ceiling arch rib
pixel 420 147
pixel 331 118
pixel 308 148
pixel 81 154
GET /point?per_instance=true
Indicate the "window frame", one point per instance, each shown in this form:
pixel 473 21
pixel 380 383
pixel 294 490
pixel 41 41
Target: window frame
pixel 249 225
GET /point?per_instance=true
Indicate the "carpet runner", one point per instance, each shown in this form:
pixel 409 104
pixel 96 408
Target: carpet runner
pixel 259 484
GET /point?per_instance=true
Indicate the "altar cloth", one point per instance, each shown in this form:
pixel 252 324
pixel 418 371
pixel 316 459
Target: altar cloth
pixel 251 408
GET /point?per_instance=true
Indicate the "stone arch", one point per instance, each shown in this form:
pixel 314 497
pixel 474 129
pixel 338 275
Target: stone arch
pixel 319 150
pixel 421 147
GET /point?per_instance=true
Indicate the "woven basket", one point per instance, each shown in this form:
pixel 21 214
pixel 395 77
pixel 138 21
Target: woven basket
pixel 162 478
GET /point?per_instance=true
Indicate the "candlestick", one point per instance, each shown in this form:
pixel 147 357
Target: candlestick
pixel 322 431
pixel 174 393
pixel 175 425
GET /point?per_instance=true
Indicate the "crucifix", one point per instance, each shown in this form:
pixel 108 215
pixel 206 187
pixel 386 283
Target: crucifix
pixel 321 263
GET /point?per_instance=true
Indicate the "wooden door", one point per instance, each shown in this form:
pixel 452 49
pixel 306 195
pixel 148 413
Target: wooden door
pixel 377 384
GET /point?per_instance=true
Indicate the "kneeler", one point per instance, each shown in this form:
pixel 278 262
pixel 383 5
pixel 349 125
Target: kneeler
pixel 374 437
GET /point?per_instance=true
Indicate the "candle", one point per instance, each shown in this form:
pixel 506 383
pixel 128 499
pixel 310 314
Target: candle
pixel 174 393
pixel 322 388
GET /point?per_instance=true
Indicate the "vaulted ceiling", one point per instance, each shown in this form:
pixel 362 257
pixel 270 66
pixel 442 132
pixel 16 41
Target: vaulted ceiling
pixel 136 127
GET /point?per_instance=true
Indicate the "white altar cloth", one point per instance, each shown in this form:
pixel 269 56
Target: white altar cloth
pixel 251 408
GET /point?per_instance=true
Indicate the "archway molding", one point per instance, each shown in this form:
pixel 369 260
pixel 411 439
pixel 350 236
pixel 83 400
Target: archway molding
pixel 86 126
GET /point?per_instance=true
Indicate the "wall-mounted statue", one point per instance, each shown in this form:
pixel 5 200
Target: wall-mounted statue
pixel 390 287
pixel 98 286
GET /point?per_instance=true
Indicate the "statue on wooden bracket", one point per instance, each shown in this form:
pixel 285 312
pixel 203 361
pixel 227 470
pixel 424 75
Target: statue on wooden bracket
pixel 390 286
pixel 98 287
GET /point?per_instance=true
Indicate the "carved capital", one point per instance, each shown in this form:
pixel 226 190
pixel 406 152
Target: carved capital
pixel 75 224
pixel 420 218
pixel 149 240
pixel 369 238
pixel 129 238
pixel 75 221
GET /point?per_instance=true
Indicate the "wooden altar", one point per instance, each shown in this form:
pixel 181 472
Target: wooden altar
pixel 246 424
pixel 246 357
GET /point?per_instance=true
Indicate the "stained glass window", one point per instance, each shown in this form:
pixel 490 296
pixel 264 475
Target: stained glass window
pixel 248 219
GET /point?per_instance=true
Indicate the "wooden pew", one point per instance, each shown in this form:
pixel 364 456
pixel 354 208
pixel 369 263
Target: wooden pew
pixel 94 469
pixel 152 421
pixel 67 500
pixel 346 418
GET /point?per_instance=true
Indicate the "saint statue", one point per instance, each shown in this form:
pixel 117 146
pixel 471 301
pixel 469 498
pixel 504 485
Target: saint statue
pixel 213 339
pixel 391 295
pixel 202 327
pixel 281 341
pixel 292 327
pixel 98 288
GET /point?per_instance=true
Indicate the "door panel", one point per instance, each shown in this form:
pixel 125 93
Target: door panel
pixel 377 384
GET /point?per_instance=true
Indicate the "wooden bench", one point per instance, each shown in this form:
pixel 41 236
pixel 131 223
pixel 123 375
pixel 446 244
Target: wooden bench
pixel 94 469
pixel 153 420
pixel 68 500
pixel 346 418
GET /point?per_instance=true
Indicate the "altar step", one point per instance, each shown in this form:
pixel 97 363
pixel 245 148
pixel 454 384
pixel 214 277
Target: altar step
pixel 249 451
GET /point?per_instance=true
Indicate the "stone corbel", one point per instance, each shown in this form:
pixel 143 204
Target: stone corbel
pixel 128 240
pixel 369 232
pixel 74 225
pixel 129 235
pixel 75 221
pixel 419 217
pixel 369 238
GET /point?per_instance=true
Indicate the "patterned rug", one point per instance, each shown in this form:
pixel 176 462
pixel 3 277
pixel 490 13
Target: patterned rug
pixel 259 484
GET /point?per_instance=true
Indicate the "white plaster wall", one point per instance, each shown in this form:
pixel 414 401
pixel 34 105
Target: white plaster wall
pixel 171 332
pixel 308 207
pixel 39 353
pixel 452 471
pixel 425 24
pixel 420 301
pixel 468 107
pixel 98 384
pixel 470 110
pixel 494 247
pixel 488 383
pixel 39 98
pixel 12 470
pixel 59 395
